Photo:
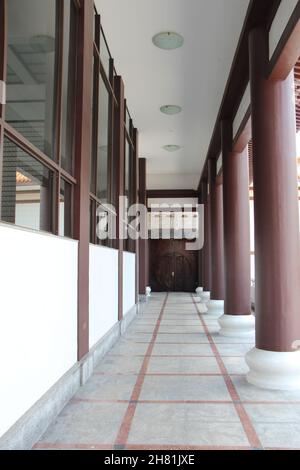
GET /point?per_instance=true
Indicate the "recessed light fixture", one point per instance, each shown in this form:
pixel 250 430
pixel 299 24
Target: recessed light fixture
pixel 171 148
pixel 171 109
pixel 168 40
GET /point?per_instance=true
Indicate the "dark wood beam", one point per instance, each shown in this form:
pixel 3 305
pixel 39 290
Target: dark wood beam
pixel 172 193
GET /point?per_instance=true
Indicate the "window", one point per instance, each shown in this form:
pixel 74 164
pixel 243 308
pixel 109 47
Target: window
pixel 102 145
pixel 65 213
pixel 68 86
pixel 39 117
pixel 27 189
pixel 32 60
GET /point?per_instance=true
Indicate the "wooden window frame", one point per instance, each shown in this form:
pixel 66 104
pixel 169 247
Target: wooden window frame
pixel 6 130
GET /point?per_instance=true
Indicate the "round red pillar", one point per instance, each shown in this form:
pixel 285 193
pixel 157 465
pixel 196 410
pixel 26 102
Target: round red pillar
pixel 237 320
pixel 216 304
pixel 277 248
pixel 236 234
pixel 206 254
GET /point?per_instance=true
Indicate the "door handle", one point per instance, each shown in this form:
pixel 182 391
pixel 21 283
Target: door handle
pixel 173 274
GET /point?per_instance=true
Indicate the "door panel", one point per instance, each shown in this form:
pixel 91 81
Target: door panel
pixel 172 268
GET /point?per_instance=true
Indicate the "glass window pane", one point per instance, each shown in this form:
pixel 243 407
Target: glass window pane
pixel 103 143
pixel 32 64
pixel 92 221
pixel 65 209
pixel 94 112
pixel 68 84
pixel 104 54
pixel 27 188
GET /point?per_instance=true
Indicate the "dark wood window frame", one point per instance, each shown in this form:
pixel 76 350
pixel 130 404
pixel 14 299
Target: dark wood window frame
pixel 6 130
pixel 109 82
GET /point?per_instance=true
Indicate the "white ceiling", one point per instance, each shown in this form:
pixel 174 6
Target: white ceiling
pixel 193 77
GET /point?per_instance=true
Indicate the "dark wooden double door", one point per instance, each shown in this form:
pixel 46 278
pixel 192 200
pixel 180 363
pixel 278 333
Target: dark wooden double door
pixel 172 267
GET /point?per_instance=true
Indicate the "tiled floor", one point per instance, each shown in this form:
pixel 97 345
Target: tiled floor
pixel 173 383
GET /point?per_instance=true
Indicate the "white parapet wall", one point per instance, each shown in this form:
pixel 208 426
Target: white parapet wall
pixel 38 317
pixel 129 282
pixel 103 292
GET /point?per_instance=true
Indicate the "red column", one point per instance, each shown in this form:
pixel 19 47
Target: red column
pixel 216 304
pixel 82 155
pixel 277 249
pixel 119 152
pixel 206 248
pixel 143 244
pixel 237 319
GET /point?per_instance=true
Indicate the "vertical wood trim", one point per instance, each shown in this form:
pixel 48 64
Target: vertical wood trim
pixel 83 126
pixel 3 61
pixel 119 155
pixel 143 244
pixel 3 47
pixel 135 201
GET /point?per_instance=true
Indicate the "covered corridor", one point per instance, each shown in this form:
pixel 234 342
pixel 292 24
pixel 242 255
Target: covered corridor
pixel 173 383
pixel 149 225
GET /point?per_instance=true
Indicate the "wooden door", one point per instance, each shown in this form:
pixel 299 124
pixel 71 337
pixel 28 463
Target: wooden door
pixel 172 268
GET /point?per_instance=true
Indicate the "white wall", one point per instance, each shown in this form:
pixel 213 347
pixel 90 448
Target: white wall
pixel 184 200
pixel 173 181
pixel 129 283
pixel 103 291
pixel 38 317
pixel 281 19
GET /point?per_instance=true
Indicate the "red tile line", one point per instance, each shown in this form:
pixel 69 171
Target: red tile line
pixel 244 418
pixel 129 415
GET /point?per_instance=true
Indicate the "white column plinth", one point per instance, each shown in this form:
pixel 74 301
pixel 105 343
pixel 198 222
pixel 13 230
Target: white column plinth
pixel 237 325
pixel 215 307
pixel 204 296
pixel 274 370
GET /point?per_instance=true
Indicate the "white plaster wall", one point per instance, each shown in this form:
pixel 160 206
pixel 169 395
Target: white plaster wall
pixel 103 312
pixel 281 19
pixel 28 215
pixel 245 103
pixel 129 283
pixel 172 180
pixel 38 317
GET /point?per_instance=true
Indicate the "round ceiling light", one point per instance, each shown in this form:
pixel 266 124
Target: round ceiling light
pixel 170 109
pixel 168 40
pixel 171 148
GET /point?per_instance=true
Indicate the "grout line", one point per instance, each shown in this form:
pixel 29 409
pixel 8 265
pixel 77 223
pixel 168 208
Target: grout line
pixel 125 427
pixel 190 402
pixel 70 446
pixel 165 374
pixel 181 447
pixel 244 418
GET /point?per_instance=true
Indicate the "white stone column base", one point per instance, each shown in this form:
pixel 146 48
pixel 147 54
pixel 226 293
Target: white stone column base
pixel 215 307
pixel 204 296
pixel 274 370
pixel 237 325
pixel 199 290
pixel 148 291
